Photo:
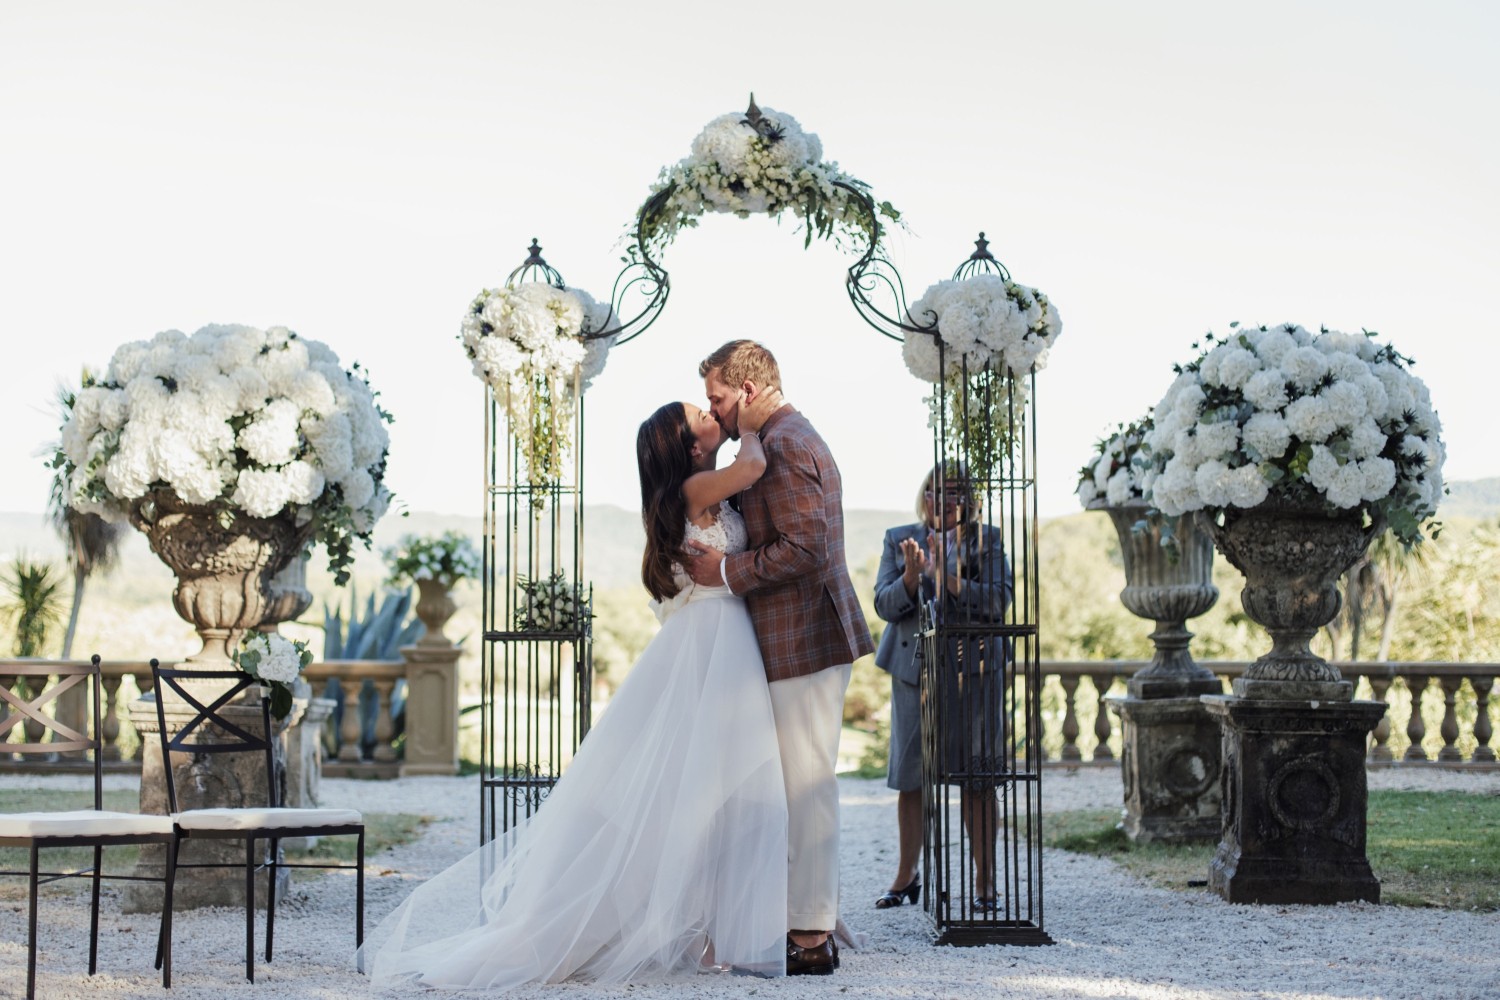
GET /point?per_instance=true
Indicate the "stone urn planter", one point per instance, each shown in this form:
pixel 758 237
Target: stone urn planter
pixel 1168 588
pixel 435 605
pixel 1292 557
pixel 1171 754
pixel 224 561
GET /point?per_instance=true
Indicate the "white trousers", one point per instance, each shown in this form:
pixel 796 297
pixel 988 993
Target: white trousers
pixel 809 718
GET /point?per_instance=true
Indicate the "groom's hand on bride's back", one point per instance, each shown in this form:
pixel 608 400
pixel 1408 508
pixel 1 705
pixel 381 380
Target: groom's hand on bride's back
pixel 703 566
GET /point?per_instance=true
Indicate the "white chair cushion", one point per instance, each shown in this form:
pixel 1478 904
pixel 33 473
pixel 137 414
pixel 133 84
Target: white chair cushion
pixel 81 823
pixel 272 819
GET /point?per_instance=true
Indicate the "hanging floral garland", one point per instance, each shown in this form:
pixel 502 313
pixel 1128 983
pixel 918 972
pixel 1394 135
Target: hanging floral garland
pixel 759 162
pixel 526 343
pixel 993 332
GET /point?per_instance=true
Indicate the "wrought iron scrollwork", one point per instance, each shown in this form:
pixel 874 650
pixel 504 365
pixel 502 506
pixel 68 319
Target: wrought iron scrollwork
pixel 874 279
pixel 642 274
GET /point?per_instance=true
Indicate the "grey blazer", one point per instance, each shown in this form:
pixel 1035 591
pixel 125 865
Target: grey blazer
pixel 983 598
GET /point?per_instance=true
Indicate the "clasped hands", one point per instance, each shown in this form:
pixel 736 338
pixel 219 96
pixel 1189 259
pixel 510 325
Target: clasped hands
pixel 919 564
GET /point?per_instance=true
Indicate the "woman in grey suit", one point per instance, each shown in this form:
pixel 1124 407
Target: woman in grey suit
pixel 976 585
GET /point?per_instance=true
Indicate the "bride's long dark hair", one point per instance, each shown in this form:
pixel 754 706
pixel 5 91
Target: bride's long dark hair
pixel 663 449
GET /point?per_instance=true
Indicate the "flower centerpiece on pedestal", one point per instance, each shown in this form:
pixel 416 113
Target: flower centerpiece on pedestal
pixel 982 336
pixel 230 450
pixel 527 343
pixel 1301 447
pixel 435 563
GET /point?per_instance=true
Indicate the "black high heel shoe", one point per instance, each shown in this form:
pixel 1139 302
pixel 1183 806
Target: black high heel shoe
pixel 893 897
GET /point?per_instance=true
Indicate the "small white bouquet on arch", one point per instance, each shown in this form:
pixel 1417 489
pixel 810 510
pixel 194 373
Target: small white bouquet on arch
pixel 276 662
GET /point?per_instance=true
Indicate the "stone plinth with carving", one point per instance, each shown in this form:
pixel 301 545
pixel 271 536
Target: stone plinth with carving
pixel 1295 794
pixel 1171 759
pixel 202 781
pixel 431 709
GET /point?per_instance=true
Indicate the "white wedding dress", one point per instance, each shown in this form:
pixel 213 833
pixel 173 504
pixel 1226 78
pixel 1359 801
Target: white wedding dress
pixel 668 831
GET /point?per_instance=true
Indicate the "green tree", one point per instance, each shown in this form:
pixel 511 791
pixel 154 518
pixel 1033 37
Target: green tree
pixel 35 605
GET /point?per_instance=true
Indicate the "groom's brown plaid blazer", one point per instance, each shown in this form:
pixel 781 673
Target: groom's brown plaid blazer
pixel 793 576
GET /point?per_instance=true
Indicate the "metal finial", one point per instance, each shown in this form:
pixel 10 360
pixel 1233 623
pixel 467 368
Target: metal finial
pixel 981 249
pixel 534 254
pixel 763 126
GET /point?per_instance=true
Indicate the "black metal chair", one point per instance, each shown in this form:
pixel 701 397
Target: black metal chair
pixel 96 827
pixel 209 732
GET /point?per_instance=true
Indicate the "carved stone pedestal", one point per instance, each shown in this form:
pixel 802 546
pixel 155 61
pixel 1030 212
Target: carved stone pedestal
pixel 203 781
pixel 1170 767
pixel 1294 801
pixel 431 708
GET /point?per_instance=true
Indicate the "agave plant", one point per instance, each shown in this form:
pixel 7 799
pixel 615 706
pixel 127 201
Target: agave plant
pixel 377 634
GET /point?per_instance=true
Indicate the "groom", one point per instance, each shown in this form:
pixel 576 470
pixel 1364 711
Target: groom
pixel 808 621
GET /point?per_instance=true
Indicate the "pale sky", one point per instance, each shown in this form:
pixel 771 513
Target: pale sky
pixel 358 171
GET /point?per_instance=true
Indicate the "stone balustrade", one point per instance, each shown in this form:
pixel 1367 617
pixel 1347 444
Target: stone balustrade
pixel 1467 740
pixel 1460 739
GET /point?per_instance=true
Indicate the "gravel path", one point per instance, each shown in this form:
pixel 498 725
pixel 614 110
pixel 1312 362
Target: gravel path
pixel 1116 937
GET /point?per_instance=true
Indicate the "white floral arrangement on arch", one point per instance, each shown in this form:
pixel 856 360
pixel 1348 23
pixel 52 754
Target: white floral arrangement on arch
pixel 276 662
pixel 527 344
pixel 262 421
pixel 760 161
pixel 1113 475
pixel 1284 414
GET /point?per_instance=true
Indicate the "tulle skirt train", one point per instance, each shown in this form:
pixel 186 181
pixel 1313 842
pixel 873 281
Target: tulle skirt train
pixel 666 833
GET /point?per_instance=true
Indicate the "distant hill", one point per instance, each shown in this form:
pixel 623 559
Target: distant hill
pixel 1476 498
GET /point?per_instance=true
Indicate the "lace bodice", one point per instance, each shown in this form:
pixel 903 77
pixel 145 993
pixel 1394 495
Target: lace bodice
pixel 727 534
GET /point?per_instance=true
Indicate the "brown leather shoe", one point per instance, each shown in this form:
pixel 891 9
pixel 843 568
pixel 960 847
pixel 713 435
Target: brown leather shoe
pixel 819 960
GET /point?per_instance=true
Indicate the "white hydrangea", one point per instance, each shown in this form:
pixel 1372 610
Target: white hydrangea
pixel 1284 409
pixel 1114 473
pixel 260 420
pixel 982 320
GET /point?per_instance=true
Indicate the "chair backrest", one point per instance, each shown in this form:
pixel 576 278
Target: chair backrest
pixel 209 731
pixel 16 710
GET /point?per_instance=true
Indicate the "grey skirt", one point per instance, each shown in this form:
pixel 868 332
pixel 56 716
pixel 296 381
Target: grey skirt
pixel 973 738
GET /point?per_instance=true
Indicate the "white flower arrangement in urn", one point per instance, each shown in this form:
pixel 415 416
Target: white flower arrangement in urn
pixel 1112 477
pixel 759 161
pixel 1331 420
pixel 276 662
pixel 980 336
pixel 241 419
pixel 528 343
pixel 444 559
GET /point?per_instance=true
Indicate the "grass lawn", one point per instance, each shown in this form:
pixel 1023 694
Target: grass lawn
pixel 1427 848
pixel 382 830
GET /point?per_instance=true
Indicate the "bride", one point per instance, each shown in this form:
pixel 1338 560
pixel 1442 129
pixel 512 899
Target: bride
pixel 663 848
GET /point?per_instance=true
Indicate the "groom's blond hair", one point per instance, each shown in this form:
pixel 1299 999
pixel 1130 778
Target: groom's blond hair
pixel 741 361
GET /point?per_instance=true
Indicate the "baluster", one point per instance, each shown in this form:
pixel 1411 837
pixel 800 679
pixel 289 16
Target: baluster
pixel 1103 723
pixel 1449 728
pixel 1416 729
pixel 349 733
pixel 145 684
pixel 1380 745
pixel 384 752
pixel 1483 728
pixel 109 718
pixel 1070 751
